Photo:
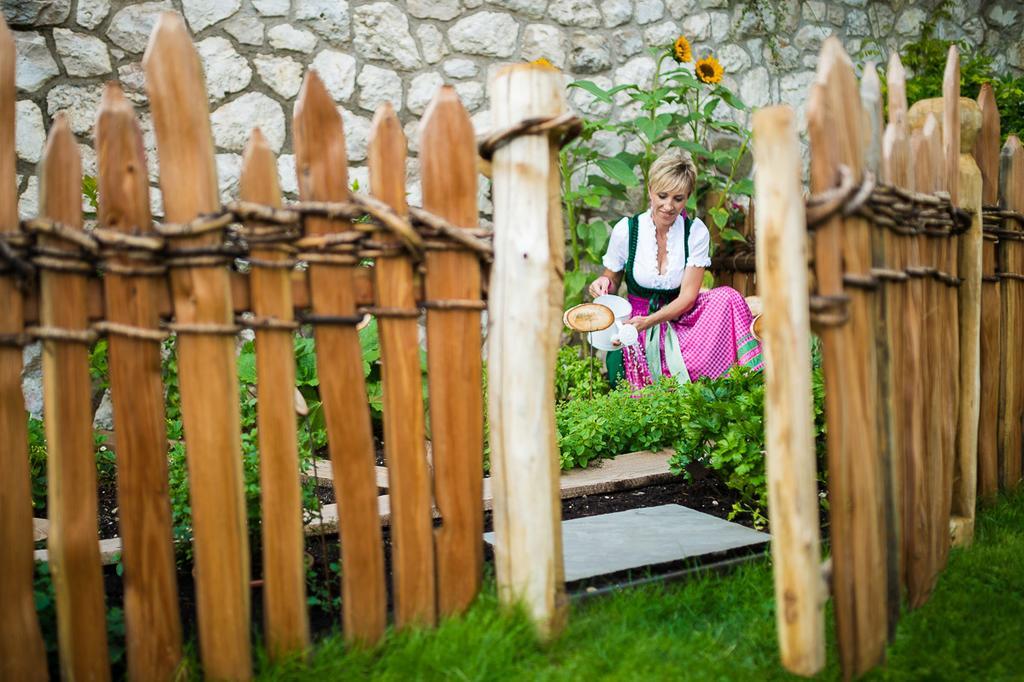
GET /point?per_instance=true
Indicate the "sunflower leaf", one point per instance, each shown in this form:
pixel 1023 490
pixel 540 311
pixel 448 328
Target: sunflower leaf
pixel 617 170
pixel 599 92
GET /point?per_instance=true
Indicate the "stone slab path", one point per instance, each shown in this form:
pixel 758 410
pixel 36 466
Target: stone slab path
pixel 610 543
pixel 625 472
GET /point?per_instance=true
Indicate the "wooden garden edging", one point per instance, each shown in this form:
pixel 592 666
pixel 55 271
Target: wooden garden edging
pixel 912 301
pixel 138 283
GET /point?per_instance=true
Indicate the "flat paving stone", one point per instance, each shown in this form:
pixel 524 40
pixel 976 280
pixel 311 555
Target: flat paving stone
pixel 609 543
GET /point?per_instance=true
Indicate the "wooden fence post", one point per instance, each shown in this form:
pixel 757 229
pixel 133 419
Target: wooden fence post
pixel 525 318
pixel 322 170
pixel 927 152
pixel 22 656
pixel 206 352
pixel 150 584
pixel 969 270
pixel 789 422
pixel 412 533
pixel 855 465
pixel 448 172
pixel 951 298
pixel 897 169
pixel 1011 181
pixel 284 588
pixel 986 153
pixel 67 397
pixel 888 300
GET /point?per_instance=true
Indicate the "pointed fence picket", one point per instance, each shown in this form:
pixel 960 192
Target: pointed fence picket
pixel 154 637
pixel 22 655
pixel 942 340
pixel 408 477
pixel 319 264
pixel 917 307
pixel 284 590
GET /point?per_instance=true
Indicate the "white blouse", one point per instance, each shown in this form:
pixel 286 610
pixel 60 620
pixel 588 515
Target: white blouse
pixel 645 264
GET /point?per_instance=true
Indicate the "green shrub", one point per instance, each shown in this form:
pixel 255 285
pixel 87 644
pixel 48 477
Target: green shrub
pixel 925 60
pixel 620 421
pixel 718 423
pixel 724 431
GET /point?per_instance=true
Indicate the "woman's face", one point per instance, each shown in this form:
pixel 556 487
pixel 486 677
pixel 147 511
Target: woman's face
pixel 666 204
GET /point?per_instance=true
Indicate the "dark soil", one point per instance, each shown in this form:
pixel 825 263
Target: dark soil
pixel 704 493
pixel 708 495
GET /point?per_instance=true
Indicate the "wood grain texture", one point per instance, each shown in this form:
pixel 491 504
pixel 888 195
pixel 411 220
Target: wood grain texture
pixel 860 585
pixel 413 565
pixel 321 167
pixel 918 522
pixel 454 344
pixel 1011 179
pixel 525 317
pixel 789 425
pixel 898 170
pixel 951 123
pixel 206 362
pixel 888 353
pixel 986 153
pixel 986 147
pixel 285 622
pixel 969 307
pixel 910 386
pixel 22 655
pixel 951 308
pixel 896 82
pixel 931 178
pixel 67 399
pixel 153 633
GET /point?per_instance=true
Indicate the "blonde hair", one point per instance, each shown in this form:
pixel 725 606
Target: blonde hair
pixel 675 168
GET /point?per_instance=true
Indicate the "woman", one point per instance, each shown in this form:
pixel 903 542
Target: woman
pixel 684 332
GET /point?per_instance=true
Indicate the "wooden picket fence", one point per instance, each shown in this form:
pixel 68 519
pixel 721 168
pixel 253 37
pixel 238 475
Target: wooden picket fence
pixel 918 309
pixel 135 282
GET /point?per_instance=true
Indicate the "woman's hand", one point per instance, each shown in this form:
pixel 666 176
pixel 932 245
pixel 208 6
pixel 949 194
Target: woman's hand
pixel 641 322
pixel 600 286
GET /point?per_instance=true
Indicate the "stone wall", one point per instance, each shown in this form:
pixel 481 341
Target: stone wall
pixel 256 51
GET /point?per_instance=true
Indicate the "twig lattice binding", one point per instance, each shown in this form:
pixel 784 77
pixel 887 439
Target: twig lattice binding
pixel 567 126
pixel 245 227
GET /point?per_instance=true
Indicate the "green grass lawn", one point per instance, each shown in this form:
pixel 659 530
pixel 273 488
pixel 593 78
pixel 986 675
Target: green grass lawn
pixel 715 628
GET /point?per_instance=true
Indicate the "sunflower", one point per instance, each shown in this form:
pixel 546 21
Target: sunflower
pixel 708 70
pixel 681 50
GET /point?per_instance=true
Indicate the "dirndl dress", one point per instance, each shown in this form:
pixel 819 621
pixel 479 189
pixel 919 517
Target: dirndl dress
pixel 705 341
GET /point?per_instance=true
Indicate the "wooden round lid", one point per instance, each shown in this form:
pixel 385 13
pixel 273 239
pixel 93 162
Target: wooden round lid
pixel 588 317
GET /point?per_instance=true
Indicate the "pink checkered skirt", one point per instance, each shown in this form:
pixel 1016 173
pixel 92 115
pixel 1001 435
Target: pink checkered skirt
pixel 713 335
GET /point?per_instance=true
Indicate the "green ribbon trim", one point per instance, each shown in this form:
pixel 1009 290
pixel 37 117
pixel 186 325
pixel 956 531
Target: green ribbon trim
pixel 746 348
pixel 673 353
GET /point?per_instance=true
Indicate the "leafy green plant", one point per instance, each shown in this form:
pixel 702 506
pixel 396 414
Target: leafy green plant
pixel 718 423
pixel 37 461
pixel 620 421
pixel 724 431
pixel 925 60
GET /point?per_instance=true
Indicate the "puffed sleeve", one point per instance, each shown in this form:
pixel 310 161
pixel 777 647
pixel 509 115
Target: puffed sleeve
pixel 700 245
pixel 618 247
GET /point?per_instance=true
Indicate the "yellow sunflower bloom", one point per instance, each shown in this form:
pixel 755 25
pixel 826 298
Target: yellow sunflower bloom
pixel 681 50
pixel 708 70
